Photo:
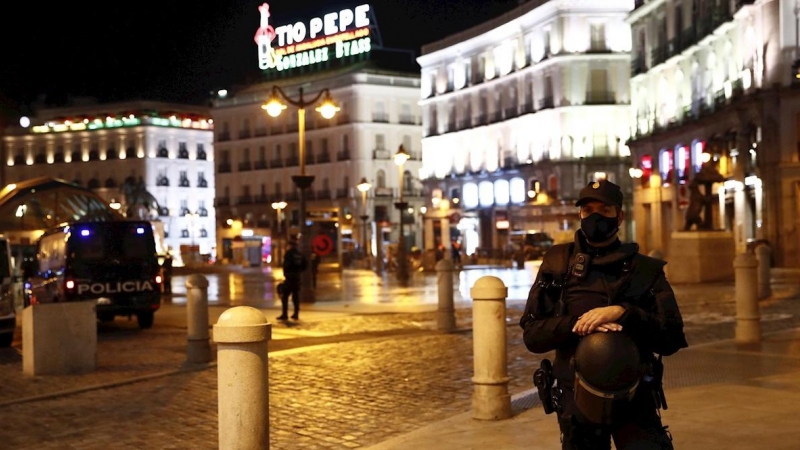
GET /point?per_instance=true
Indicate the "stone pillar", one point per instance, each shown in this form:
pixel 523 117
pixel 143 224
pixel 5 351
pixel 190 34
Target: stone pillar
pixel 764 257
pixel 748 318
pixel 739 195
pixel 242 334
pixel 198 348
pixel 59 338
pixel 446 320
pixel 490 398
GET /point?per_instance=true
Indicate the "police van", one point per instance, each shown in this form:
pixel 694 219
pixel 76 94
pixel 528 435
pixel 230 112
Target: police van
pixel 8 317
pixel 111 263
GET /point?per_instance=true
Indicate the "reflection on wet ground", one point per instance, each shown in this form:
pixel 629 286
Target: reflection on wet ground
pixel 257 287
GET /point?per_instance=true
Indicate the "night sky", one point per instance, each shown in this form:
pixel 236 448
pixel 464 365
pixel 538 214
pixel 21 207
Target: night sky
pixel 178 50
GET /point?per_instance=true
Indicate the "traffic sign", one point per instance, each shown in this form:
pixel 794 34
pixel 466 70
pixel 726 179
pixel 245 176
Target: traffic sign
pixel 322 244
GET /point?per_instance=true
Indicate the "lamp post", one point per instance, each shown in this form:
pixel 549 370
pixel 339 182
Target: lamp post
pixel 400 159
pixel 364 187
pixel 327 110
pixel 278 207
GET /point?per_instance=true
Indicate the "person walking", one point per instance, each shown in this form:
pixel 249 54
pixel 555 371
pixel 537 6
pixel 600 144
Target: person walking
pixel 166 274
pixel 294 263
pixel 602 293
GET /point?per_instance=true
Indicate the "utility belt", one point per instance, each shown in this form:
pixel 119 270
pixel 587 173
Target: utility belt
pixel 551 395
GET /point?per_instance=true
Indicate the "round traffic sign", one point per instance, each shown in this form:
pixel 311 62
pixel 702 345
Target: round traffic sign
pixel 322 244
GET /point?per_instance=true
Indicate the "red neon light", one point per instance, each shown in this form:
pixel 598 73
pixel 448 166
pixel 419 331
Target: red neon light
pixel 265 29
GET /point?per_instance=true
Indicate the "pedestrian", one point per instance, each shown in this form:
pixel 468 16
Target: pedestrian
pixel 315 259
pixel 294 263
pixel 455 252
pixel 598 290
pixel 166 274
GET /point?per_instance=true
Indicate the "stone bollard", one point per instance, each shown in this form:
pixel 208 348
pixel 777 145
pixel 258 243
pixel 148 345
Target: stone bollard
pixel 242 334
pixel 764 257
pixel 490 398
pixel 198 348
pixel 446 320
pixel 748 325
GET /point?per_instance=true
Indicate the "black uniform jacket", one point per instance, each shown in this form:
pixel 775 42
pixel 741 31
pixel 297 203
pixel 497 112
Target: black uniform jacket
pixel 653 319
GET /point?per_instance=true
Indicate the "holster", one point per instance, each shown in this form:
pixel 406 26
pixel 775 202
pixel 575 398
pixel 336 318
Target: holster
pixel 653 379
pixel 543 380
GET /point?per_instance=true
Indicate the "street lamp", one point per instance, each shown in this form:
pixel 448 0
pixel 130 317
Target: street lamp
pixel 278 207
pixel 400 159
pixel 364 187
pixel 327 109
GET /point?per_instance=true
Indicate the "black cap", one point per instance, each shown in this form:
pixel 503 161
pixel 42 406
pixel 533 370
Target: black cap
pixel 604 191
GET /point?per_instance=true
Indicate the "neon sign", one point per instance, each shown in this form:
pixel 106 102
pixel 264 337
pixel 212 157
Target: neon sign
pixel 335 35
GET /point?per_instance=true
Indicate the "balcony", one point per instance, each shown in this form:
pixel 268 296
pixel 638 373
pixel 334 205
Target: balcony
pixel 380 154
pixel 224 136
pixel 380 117
pixel 343 155
pixel 202 183
pixel 481 119
pixel 323 157
pixel 600 98
pixel 244 134
pixel 432 130
pixel 292 128
pixel 495 116
pixel 260 165
pixel 342 193
pixel 245 199
pixel 276 163
pixel 451 126
pixel 408 119
pixel 323 194
pixel 245 166
pixel 184 182
pixel 527 108
pixel 510 112
pixel 261 199
pixel 224 168
pixel 222 201
pixel 292 161
pixel 464 124
pixel 342 119
pixel 260 132
pixel 658 55
pixel 546 103
pixel 162 181
pixel 276 129
pixel 311 158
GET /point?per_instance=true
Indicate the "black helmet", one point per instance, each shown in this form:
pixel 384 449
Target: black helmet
pixel 608 369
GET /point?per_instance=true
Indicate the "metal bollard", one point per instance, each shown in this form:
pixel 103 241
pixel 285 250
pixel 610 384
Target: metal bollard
pixel 242 334
pixel 446 320
pixel 748 319
pixel 764 257
pixel 490 398
pixel 198 348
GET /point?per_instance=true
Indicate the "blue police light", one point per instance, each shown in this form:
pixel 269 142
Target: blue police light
pixel 140 230
pixel 85 232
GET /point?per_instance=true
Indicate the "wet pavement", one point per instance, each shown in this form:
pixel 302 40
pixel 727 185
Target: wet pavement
pixel 360 367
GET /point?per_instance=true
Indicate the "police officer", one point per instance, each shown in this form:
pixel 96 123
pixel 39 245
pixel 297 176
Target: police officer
pixel 599 285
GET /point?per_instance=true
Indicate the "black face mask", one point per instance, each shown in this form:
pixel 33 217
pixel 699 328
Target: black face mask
pixel 599 228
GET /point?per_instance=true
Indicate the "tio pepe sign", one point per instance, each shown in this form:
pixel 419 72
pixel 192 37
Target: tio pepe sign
pixel 335 35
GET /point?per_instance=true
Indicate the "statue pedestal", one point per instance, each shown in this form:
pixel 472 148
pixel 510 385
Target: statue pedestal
pixel 701 256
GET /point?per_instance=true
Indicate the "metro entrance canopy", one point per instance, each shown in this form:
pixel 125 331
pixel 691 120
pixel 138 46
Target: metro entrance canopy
pixel 45 202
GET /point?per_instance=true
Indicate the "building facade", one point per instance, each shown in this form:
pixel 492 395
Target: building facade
pixel 118 149
pixel 712 91
pixel 259 154
pixel 518 114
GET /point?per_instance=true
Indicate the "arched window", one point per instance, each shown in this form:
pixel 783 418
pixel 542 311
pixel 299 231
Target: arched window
pixel 666 166
pixel 94 183
pixel 111 153
pixel 110 183
pixel 381 179
pixel 94 155
pixel 163 152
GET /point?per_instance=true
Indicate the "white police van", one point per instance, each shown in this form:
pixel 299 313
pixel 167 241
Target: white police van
pixel 112 263
pixel 8 317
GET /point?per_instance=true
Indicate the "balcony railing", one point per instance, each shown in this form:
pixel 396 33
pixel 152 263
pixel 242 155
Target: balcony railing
pixel 245 166
pixel 276 162
pixel 292 161
pixel 224 168
pixel 638 65
pixel 276 129
pixel 323 157
pixel 463 124
pixel 407 119
pixel 224 136
pixel 481 119
pixel 260 132
pixel 342 193
pixel 245 199
pixel 223 201
pixel 600 98
pixel 380 154
pixel 527 108
pixel 343 155
pixel 261 199
pixel 260 165
pixel 323 194
pixel 495 116
pixel 658 55
pixel 546 103
pixel 342 119
pixel 244 134
pixel 380 117
pixel 510 112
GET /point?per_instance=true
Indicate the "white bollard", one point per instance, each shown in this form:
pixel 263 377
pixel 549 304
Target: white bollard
pixel 490 398
pixel 446 320
pixel 764 257
pixel 748 318
pixel 242 334
pixel 198 348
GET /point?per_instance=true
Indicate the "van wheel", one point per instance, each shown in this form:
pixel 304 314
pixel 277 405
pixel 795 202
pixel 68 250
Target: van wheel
pixel 145 319
pixel 105 317
pixel 5 339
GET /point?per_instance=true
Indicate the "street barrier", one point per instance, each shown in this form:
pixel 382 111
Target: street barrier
pixel 764 257
pixel 748 318
pixel 446 320
pixel 242 335
pixel 490 398
pixel 198 348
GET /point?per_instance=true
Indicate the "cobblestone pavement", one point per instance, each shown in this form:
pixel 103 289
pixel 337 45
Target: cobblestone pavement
pixel 392 374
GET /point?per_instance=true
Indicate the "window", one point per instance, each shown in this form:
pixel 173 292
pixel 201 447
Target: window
pixel 407 143
pixel 184 179
pixel 380 142
pixel 666 166
pixel 201 180
pixel 381 179
pixel 201 152
pixel 111 153
pixel 345 142
pixel 183 152
pixel 598 37
pixel 683 163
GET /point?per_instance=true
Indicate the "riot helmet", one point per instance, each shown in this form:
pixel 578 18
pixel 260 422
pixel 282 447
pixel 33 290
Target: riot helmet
pixel 608 369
